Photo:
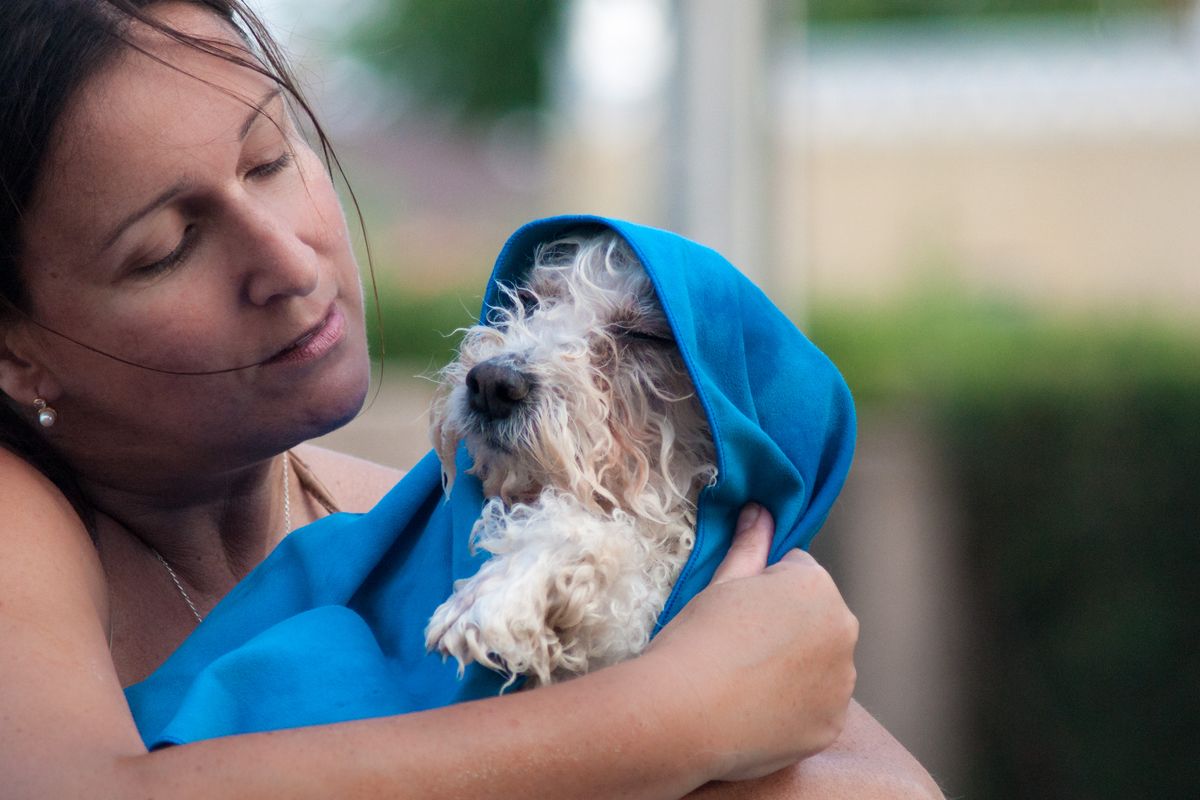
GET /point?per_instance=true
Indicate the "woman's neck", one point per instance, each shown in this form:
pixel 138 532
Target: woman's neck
pixel 211 531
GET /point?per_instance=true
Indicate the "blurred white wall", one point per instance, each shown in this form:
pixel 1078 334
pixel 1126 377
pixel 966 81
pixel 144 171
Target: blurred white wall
pixel 1057 162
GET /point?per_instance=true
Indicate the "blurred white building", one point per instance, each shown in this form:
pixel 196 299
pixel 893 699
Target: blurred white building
pixel 1058 162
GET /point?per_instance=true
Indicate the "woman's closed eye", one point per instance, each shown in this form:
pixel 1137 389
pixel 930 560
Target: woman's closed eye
pixel 188 240
pixel 272 167
pixel 172 259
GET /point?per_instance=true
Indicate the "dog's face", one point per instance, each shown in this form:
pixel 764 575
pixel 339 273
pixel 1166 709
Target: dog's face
pixel 577 385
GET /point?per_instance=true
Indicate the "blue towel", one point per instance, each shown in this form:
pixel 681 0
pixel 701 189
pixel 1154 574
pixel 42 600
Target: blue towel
pixel 330 627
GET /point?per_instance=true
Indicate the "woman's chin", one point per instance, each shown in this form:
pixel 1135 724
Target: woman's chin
pixel 340 402
pixel 345 415
pixel 329 398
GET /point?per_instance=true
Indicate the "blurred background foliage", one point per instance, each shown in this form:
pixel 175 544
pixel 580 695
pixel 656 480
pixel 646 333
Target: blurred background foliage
pixel 478 59
pixel 1081 508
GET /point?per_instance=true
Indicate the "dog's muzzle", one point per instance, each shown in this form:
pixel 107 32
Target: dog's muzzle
pixel 495 390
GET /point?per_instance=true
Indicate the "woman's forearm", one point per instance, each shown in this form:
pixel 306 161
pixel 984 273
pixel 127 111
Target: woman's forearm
pixel 611 735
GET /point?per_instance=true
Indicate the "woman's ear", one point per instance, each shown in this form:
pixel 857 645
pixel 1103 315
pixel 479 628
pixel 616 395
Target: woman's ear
pixel 22 374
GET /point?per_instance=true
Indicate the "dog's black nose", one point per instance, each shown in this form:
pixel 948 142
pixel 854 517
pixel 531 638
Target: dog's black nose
pixel 495 390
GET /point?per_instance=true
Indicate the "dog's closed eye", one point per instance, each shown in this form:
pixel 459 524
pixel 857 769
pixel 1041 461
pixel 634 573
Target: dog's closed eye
pixel 626 331
pixel 528 300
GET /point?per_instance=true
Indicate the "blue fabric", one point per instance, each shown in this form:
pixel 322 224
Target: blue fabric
pixel 330 627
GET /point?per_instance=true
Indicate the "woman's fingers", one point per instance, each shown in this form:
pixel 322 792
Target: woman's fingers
pixel 747 555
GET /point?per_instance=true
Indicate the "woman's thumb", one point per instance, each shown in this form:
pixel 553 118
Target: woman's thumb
pixel 747 555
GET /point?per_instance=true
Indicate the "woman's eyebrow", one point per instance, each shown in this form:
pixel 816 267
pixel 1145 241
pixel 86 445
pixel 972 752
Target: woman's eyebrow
pixel 257 112
pixel 171 193
pixel 162 199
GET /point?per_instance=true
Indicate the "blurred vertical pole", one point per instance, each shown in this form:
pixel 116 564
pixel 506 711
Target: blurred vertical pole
pixel 609 93
pixel 717 191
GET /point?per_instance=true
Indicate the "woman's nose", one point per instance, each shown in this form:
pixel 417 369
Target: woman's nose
pixel 275 258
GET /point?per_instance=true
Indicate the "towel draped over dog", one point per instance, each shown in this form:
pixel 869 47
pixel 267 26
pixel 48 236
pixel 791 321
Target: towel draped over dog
pixel 330 627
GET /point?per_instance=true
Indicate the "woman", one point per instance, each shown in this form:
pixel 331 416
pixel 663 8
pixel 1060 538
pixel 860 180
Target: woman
pixel 181 307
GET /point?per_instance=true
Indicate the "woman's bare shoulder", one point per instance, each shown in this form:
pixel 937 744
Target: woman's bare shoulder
pixel 44 540
pixel 26 495
pixel 59 688
pixel 355 483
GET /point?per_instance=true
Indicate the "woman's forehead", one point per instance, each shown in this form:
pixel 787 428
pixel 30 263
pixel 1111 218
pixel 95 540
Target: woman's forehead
pixel 140 107
pixel 145 121
pixel 161 92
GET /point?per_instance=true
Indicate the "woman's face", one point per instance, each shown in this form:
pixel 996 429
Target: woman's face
pixel 181 223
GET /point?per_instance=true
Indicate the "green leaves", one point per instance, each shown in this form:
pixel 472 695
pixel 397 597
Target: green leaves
pixel 477 59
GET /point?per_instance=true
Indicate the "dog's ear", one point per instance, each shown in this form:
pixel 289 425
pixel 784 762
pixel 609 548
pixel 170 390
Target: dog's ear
pixel 446 456
pixel 446 446
pixel 442 434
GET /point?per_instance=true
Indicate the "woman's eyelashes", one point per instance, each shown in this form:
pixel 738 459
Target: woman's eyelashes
pixel 272 167
pixel 172 259
pixel 188 240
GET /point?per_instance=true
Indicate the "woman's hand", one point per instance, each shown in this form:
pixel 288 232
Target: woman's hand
pixel 767 655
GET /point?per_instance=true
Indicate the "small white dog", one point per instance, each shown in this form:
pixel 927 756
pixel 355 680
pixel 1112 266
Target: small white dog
pixel 592 449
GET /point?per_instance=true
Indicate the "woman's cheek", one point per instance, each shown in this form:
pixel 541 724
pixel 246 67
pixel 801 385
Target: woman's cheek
pixel 187 329
pixel 325 230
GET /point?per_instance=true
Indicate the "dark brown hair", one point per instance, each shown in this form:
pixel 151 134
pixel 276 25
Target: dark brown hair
pixel 49 48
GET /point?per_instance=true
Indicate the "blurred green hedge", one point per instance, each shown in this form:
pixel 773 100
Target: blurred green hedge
pixel 1075 447
pixel 419 329
pixel 1081 502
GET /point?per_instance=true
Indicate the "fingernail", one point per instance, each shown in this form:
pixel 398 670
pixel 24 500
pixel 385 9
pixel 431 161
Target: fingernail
pixel 748 516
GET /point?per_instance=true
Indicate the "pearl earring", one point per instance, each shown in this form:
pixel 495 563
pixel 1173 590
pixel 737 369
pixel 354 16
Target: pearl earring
pixel 47 416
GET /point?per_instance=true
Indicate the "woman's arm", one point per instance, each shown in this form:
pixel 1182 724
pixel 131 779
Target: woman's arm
pixel 865 763
pixel 655 727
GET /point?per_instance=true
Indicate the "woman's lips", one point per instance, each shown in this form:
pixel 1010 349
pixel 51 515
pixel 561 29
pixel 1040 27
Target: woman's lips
pixel 316 343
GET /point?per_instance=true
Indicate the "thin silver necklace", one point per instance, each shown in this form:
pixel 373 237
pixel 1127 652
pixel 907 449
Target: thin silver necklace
pixel 287 528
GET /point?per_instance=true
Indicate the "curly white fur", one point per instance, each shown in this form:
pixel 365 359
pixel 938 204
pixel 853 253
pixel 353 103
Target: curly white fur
pixel 592 477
